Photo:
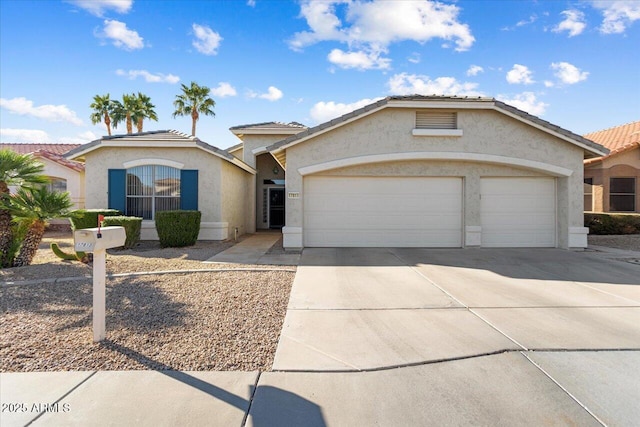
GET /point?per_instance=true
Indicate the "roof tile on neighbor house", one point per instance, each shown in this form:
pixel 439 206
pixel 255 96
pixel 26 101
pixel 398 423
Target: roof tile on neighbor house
pixel 617 139
pixel 30 148
pixel 594 147
pixel 76 166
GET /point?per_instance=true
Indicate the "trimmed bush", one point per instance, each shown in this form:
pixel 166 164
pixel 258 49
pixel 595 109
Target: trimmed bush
pixel 88 218
pixel 178 228
pixel 612 223
pixel 131 224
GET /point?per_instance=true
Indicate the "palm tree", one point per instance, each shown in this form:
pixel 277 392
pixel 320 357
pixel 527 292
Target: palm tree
pixel 193 101
pixel 124 111
pixel 102 107
pixel 20 170
pixel 33 207
pixel 144 110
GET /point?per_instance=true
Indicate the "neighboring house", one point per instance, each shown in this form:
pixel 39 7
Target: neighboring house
pixel 65 175
pixel 612 182
pixel 143 173
pixel 406 171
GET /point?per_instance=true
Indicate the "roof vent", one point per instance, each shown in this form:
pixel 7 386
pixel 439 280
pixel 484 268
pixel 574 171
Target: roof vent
pixel 436 120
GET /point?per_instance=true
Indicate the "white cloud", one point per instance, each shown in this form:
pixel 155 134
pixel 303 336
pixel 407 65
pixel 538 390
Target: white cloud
pixel 99 7
pixel 533 18
pixel 568 73
pixel 272 94
pixel 474 70
pixel 251 3
pixel 224 89
pixel 548 83
pixel 149 77
pixel 414 58
pixel 525 101
pixel 359 60
pixel 121 36
pixel 573 22
pixel 24 135
pixel 207 41
pixel 324 111
pixel 87 136
pixel 410 84
pixel 520 74
pixel 618 15
pixel 372 26
pixel 52 113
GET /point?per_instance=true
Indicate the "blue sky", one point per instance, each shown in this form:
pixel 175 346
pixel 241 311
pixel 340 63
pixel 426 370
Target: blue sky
pixel 573 63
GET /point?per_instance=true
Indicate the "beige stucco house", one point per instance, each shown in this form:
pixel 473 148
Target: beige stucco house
pixel 65 175
pixel 143 173
pixel 612 182
pixel 406 171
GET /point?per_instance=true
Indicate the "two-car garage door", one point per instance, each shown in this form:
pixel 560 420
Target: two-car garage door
pixel 426 212
pixel 382 211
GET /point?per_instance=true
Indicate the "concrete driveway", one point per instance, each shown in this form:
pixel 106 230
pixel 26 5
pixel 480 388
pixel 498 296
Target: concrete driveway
pixel 477 335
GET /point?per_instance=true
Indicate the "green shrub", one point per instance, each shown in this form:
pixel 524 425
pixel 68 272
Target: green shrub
pixel 178 228
pixel 612 223
pixel 131 224
pixel 88 218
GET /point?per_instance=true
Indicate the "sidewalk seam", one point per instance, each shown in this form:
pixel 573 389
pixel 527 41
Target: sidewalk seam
pixel 253 393
pixel 62 397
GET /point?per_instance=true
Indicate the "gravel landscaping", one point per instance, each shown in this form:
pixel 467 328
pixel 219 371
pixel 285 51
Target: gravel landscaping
pixel 623 241
pixel 221 320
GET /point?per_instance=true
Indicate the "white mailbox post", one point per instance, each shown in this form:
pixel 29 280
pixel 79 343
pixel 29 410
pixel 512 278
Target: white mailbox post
pixel 98 240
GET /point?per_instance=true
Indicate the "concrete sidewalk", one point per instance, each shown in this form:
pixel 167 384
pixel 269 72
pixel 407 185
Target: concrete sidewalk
pixel 508 389
pixel 254 250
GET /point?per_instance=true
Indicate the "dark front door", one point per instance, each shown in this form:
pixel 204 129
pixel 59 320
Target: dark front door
pixel 276 207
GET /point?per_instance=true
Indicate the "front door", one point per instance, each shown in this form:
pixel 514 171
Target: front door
pixel 276 207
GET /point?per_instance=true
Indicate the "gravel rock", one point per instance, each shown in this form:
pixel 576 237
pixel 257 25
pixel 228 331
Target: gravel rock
pixel 630 242
pixel 197 321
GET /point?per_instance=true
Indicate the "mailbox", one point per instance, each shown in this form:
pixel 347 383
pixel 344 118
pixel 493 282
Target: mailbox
pixel 96 239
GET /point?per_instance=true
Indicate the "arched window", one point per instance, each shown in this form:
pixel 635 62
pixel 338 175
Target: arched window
pixel 151 189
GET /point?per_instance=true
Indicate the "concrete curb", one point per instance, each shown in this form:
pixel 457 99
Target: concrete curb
pixel 142 273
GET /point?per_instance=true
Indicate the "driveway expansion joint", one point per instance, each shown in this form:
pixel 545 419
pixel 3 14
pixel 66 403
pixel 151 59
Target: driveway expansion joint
pixel 567 392
pixel 253 394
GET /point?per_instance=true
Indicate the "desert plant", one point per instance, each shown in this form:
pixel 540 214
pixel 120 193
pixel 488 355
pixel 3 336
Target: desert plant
pixel 178 228
pixel 131 224
pixel 34 207
pixel 75 256
pixel 20 170
pixel 88 218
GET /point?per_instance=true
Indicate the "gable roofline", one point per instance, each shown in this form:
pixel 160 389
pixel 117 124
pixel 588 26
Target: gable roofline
pixel 56 158
pixel 627 147
pixel 28 147
pixel 160 138
pixel 235 147
pixel 268 128
pixel 449 102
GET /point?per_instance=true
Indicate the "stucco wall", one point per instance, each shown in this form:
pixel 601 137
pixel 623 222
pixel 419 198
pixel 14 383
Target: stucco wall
pixel 75 180
pixel 251 142
pixel 624 165
pixel 484 132
pixel 236 199
pixel 99 161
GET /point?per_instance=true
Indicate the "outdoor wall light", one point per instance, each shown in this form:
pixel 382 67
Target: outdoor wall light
pixel 275 170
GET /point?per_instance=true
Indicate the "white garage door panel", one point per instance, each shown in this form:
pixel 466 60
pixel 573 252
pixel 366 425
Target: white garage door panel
pixel 518 212
pixel 390 211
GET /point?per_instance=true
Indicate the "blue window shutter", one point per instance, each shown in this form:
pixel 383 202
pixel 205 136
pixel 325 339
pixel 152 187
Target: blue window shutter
pixel 189 190
pixel 117 196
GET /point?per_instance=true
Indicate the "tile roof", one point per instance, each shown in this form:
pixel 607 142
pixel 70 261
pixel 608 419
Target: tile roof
pixel 76 166
pixel 30 148
pixel 270 125
pixel 617 139
pixel 157 136
pixel 448 100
